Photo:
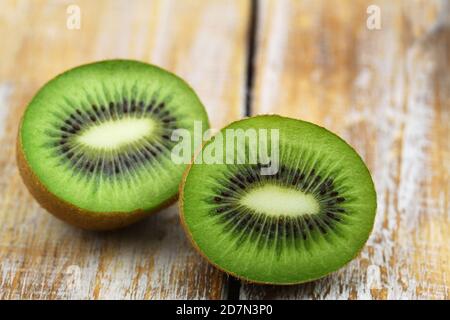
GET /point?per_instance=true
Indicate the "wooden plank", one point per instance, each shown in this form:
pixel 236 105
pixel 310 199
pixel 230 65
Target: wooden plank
pixel 41 257
pixel 387 92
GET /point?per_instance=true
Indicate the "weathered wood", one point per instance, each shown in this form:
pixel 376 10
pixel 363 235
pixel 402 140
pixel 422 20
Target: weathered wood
pixel 41 257
pixel 387 92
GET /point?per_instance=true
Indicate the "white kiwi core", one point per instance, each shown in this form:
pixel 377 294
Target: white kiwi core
pixel 114 134
pixel 275 200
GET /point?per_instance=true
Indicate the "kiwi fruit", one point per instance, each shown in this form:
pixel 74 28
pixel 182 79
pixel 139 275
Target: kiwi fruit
pixel 299 223
pixel 94 144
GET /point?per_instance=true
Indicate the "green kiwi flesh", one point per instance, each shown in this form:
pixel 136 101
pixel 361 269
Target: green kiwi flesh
pixel 96 141
pixel 309 219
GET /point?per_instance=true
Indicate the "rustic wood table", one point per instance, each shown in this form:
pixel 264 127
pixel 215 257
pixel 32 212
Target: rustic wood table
pixel 386 90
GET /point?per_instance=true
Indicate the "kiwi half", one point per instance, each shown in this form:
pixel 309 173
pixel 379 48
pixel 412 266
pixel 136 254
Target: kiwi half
pixel 307 220
pixel 94 143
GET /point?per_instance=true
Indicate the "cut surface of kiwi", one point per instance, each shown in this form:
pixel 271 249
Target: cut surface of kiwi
pixel 308 219
pixel 94 143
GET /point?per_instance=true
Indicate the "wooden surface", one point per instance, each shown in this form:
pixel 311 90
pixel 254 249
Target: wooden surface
pixel 41 257
pixel 387 92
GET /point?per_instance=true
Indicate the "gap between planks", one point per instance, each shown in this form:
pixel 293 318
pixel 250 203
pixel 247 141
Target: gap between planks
pixel 234 285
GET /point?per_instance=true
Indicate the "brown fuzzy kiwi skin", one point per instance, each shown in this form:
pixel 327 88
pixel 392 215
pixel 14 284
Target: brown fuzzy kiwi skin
pixel 71 214
pixel 197 248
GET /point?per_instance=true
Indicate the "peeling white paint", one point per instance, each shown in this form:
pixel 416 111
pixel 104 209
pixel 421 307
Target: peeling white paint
pixel 161 41
pixel 201 66
pixel 418 122
pixel 6 90
pixel 373 277
pixel 278 39
pixel 121 26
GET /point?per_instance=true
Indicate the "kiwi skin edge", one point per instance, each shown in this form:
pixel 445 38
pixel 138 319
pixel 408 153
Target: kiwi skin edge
pixel 85 219
pixel 196 247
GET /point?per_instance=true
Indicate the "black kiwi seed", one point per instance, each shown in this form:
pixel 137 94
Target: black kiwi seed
pixel 250 179
pixel 125 106
pixel 221 209
pixel 225 194
pixel 169 119
pixel 150 106
pixel 164 114
pixel 333 216
pixel 322 229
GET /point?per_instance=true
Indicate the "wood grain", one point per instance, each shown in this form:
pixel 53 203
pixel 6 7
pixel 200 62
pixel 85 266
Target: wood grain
pixel 43 258
pixel 387 92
